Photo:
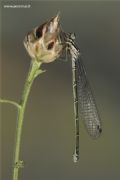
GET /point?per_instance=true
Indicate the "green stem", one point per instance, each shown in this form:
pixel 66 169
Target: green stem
pixel 33 72
pixel 10 102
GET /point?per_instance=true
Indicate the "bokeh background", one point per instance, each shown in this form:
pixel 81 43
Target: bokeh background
pixel 48 132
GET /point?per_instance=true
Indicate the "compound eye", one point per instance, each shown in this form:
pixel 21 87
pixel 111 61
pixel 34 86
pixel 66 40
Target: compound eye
pixel 50 45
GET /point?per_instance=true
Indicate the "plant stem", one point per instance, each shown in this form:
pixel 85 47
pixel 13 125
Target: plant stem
pixel 10 102
pixel 33 72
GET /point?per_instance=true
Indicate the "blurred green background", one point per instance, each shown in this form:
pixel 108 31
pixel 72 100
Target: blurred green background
pixel 48 132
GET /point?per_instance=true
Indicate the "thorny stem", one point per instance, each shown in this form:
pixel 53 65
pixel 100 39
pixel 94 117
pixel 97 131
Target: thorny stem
pixel 33 72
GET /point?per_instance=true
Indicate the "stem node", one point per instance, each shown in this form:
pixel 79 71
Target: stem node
pixel 19 164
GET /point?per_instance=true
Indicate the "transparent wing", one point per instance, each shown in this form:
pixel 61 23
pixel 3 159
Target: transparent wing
pixel 87 105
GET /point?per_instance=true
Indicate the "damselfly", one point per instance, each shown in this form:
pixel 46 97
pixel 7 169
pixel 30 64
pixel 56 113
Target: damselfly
pixel 84 101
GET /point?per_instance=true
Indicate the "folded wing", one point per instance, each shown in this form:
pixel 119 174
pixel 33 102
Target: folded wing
pixel 87 105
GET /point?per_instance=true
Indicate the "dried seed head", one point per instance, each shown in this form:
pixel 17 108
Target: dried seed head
pixel 43 43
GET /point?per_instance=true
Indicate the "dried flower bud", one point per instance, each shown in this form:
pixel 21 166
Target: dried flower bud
pixel 43 43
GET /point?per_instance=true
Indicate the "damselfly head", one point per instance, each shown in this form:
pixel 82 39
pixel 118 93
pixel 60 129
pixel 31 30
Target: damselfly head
pixel 69 45
pixel 43 43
